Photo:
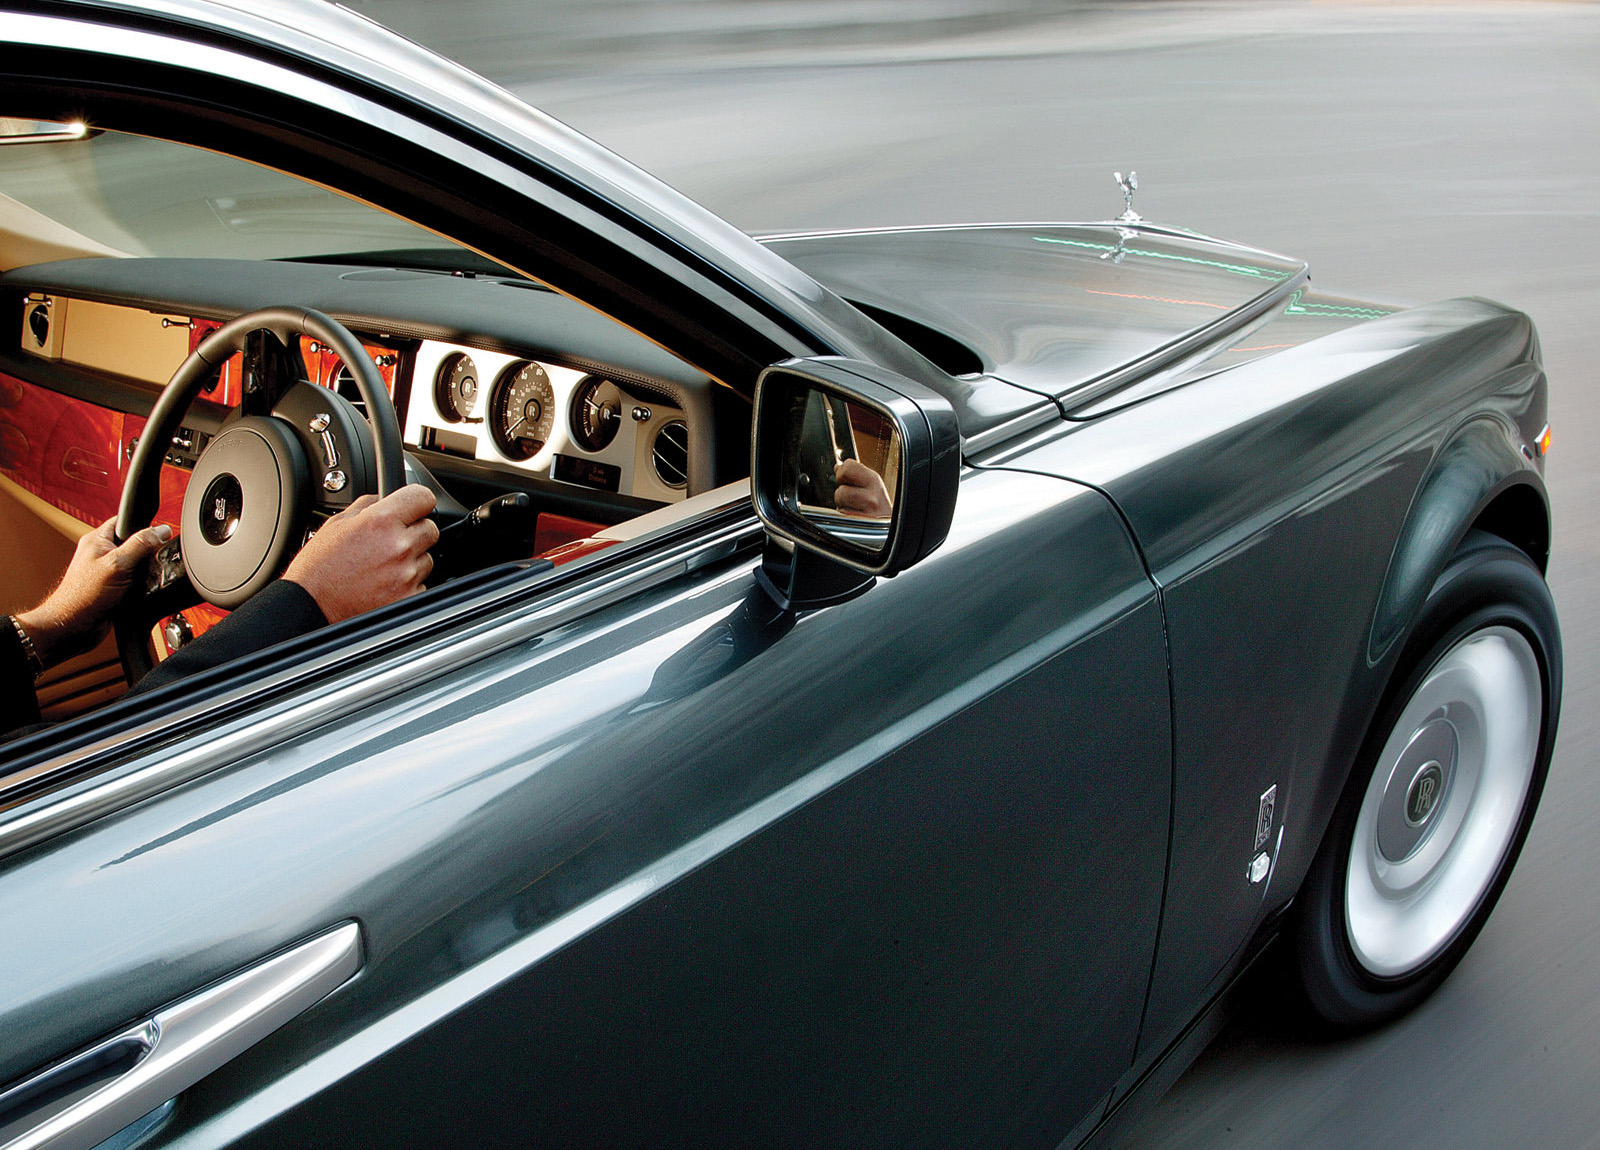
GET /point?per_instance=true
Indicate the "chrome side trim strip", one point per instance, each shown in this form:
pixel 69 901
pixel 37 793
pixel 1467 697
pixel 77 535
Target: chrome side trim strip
pixel 1236 320
pixel 1003 433
pixel 1143 227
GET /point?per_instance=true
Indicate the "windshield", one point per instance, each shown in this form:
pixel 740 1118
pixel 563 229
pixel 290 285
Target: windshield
pixel 137 196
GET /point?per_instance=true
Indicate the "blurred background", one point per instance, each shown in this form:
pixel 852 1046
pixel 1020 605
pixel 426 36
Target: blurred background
pixel 1409 151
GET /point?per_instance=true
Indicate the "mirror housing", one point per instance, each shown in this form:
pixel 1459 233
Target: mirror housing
pixel 851 464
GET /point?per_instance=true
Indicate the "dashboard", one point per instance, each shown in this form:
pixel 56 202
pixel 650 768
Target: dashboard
pixel 501 387
pixel 561 423
pixel 498 380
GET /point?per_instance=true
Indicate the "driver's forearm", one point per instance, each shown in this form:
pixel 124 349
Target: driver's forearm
pixel 282 610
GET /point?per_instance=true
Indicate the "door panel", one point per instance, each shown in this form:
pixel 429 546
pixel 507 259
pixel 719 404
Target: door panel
pixel 857 861
pixel 950 947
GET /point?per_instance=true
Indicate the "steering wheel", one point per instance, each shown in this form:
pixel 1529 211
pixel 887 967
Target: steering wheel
pixel 260 479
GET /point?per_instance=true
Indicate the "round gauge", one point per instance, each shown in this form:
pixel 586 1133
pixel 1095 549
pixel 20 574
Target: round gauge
pixel 596 413
pixel 522 410
pixel 455 387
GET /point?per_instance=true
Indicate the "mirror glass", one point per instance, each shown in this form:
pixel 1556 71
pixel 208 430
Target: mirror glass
pixel 842 468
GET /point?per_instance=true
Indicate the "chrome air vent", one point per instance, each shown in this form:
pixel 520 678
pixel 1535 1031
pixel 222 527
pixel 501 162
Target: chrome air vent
pixel 39 335
pixel 39 324
pixel 344 382
pixel 670 454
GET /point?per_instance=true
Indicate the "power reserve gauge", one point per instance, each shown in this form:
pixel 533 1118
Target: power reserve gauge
pixel 596 413
pixel 455 387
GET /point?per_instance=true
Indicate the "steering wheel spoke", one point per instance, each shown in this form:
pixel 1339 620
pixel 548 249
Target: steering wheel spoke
pixel 336 440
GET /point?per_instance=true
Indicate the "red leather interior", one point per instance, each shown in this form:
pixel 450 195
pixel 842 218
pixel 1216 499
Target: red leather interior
pixel 577 549
pixel 553 531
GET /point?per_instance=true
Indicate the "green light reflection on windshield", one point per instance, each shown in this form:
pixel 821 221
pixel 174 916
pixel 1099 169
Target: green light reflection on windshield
pixel 1249 270
pixel 1296 307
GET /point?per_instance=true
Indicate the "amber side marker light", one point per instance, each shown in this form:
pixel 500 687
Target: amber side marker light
pixel 1543 442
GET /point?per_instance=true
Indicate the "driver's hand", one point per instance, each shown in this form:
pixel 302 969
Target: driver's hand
pixel 75 616
pixel 370 554
pixel 860 490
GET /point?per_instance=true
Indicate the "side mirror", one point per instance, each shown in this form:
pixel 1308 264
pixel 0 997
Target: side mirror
pixel 854 472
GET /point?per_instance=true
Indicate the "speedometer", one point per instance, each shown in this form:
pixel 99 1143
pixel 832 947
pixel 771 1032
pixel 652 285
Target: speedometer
pixel 522 410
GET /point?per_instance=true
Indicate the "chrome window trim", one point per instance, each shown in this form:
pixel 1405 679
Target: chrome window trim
pixel 309 700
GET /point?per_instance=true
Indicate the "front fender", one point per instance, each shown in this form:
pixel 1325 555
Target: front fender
pixel 1478 463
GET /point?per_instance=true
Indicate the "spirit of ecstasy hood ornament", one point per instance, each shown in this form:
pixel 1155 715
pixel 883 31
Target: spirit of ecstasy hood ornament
pixel 1128 218
pixel 1128 186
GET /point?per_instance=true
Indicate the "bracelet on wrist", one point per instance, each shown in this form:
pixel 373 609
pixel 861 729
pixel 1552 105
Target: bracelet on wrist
pixel 31 653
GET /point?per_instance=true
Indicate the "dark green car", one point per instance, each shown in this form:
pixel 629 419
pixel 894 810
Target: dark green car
pixel 877 688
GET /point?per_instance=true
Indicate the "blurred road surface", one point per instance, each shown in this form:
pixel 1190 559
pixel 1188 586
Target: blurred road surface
pixel 1408 152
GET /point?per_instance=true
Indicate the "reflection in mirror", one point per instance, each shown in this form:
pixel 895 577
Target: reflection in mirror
pixel 39 131
pixel 842 468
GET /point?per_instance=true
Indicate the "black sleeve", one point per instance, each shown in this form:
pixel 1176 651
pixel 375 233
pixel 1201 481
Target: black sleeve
pixel 19 706
pixel 281 610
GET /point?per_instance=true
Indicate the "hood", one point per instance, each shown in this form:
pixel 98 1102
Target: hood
pixel 1064 310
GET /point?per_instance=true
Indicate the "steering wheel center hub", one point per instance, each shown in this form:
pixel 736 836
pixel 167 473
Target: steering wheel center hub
pixel 220 509
pixel 233 545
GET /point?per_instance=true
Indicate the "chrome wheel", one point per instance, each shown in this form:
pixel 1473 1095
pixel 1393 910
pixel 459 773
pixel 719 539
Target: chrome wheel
pixel 1444 802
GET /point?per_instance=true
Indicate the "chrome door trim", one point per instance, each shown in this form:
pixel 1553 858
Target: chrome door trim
pixel 402 666
pixel 178 1046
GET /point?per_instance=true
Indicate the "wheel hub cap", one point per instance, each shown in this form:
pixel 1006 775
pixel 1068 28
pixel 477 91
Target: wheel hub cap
pixel 1415 788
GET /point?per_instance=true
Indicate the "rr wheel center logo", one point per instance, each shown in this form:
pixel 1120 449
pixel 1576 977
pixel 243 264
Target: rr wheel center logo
pixel 1423 796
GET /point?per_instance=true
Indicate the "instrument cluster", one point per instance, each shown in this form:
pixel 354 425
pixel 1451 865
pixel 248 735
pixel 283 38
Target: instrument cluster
pixel 559 422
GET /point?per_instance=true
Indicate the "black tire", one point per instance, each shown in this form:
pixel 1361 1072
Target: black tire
pixel 1390 904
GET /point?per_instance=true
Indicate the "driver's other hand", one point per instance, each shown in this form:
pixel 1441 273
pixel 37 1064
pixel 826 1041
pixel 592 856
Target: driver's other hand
pixel 860 490
pixel 370 554
pixel 75 616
